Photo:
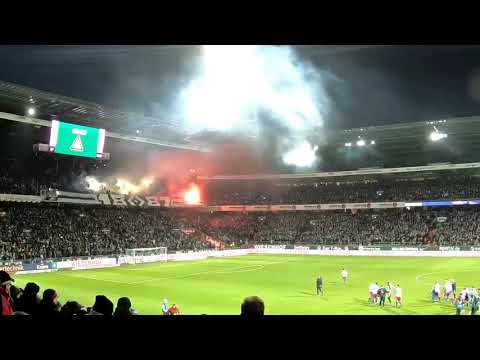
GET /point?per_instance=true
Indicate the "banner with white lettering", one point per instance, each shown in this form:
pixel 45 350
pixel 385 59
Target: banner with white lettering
pixel 108 199
pixel 307 207
pixel 87 263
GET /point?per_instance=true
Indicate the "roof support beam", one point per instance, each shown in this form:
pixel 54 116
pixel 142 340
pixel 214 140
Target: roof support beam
pixel 46 123
pixel 373 171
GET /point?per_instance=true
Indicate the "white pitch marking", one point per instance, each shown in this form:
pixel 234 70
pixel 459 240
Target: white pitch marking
pixel 256 267
pixel 156 265
pixel 224 271
pixel 93 278
pixel 443 272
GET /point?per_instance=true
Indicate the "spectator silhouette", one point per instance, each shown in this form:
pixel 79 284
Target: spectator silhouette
pixel 29 301
pixel 72 308
pixel 49 305
pixel 124 308
pixel 252 306
pixel 102 306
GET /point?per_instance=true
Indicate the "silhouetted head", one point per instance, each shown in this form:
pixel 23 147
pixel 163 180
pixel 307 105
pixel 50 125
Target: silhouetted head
pixel 253 306
pixel 50 296
pixel 31 289
pixel 103 305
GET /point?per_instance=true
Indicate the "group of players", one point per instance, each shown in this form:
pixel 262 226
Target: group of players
pixel 378 294
pixel 468 298
pixel 449 289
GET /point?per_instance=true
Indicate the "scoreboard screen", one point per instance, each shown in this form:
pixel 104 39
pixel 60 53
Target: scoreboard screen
pixel 76 140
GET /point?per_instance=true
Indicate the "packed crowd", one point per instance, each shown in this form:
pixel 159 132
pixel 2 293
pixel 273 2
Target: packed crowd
pixel 443 227
pixel 31 231
pixel 458 187
pixel 43 232
pixel 9 185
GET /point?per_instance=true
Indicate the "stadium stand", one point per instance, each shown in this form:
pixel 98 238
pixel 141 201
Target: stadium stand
pixel 30 232
pixel 41 232
pixel 368 227
pixel 452 187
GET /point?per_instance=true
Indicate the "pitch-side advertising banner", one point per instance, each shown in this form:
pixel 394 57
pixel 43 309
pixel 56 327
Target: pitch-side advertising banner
pixel 11 267
pixel 18 268
pixel 308 207
pixel 87 263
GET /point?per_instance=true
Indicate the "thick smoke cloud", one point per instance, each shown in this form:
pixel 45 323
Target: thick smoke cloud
pixel 236 86
pixel 263 100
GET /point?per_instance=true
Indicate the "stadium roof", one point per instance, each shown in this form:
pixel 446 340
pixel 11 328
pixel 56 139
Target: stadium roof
pixel 16 99
pixel 437 170
pixel 406 144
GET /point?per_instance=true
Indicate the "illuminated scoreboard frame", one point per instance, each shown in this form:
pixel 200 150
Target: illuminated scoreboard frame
pixel 76 140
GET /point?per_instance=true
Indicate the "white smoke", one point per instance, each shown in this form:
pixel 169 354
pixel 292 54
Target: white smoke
pixel 302 155
pixel 95 185
pixel 239 81
pixel 119 185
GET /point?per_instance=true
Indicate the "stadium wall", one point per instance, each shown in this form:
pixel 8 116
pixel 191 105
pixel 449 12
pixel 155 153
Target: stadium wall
pixel 82 264
pixel 346 252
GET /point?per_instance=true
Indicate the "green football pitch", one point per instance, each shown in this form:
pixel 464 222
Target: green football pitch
pixel 286 283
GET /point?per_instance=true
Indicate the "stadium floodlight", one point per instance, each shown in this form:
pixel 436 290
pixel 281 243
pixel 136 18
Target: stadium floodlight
pixel 361 142
pixel 31 111
pixel 436 136
pixel 348 144
pixel 372 142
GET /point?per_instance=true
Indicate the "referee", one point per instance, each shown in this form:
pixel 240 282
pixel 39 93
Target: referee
pixel 319 285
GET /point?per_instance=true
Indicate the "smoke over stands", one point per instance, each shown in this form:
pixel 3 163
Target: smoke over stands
pixel 263 101
pixel 262 91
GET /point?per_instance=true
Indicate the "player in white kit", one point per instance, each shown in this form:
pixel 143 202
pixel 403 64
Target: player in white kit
pixel 370 292
pixel 398 296
pixel 448 289
pixel 344 275
pixel 373 289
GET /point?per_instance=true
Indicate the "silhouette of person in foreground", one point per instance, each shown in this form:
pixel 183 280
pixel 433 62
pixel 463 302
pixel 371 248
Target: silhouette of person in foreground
pixel 252 306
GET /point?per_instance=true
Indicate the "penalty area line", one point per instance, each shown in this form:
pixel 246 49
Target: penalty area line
pixel 235 270
pixel 92 278
pixel 418 277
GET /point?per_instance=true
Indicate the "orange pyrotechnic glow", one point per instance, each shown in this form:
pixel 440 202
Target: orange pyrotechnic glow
pixel 192 195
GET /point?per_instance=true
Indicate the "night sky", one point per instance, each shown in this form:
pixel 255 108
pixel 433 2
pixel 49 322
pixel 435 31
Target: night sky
pixel 367 85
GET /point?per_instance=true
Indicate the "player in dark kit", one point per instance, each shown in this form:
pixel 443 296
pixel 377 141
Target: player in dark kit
pixel 382 293
pixel 473 302
pixel 319 285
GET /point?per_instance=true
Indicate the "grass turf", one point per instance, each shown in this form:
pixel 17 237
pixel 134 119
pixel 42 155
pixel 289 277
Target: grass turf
pixel 286 284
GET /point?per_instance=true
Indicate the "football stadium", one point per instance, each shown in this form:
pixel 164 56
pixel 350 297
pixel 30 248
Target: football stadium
pixel 243 193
